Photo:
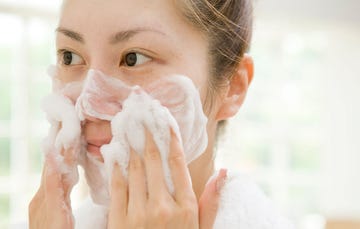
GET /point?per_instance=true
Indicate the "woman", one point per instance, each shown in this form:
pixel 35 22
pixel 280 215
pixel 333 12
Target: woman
pixel 139 42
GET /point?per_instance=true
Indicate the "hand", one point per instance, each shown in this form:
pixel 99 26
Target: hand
pixel 137 202
pixel 209 200
pixel 51 206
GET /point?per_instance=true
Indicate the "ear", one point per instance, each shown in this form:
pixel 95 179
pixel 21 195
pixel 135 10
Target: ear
pixel 237 89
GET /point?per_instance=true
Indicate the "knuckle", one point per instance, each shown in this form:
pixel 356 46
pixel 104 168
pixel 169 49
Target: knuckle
pixel 161 212
pixel 175 159
pixel 137 221
pixel 191 201
pixel 118 183
pixel 188 213
pixel 135 163
pixel 152 153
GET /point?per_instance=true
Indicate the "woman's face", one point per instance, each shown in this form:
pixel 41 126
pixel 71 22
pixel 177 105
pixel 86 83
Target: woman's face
pixel 136 41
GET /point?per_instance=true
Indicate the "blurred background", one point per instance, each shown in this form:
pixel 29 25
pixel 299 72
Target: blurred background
pixel 297 135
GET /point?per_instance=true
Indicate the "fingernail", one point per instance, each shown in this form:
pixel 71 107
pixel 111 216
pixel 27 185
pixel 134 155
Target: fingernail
pixel 221 180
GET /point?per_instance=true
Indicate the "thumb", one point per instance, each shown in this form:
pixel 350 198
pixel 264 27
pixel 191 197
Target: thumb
pixel 209 200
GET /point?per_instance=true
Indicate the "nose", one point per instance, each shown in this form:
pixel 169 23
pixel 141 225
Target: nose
pixel 105 71
pixel 101 62
pixel 92 119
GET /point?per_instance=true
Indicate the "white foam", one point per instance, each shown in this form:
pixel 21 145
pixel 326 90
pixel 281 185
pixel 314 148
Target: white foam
pixel 170 102
pixel 63 138
pixel 180 96
pixel 60 112
pixel 140 112
pixel 101 96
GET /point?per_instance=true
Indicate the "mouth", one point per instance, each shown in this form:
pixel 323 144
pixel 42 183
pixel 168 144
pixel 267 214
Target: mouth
pixel 93 147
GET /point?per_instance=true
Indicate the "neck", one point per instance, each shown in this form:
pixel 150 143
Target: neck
pixel 201 170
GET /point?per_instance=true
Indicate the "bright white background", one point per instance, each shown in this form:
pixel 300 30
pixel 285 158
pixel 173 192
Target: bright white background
pixel 297 134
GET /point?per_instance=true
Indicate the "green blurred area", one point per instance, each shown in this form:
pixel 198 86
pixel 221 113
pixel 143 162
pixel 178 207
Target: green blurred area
pixel 5 56
pixel 4 156
pixel 259 154
pixel 38 57
pixel 304 156
pixel 4 210
pixel 35 155
pixel 40 54
pixel 5 70
pixel 37 91
pixel 304 198
pixel 5 107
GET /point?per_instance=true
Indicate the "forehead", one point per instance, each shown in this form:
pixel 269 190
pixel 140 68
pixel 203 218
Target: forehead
pixel 111 15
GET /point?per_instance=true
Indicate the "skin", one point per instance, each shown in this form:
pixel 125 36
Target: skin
pixel 166 44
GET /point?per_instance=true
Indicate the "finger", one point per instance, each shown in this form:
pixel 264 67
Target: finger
pixel 209 200
pixel 66 174
pixel 70 154
pixel 45 175
pixel 179 171
pixel 137 183
pixel 153 168
pixel 70 178
pixel 53 190
pixel 118 198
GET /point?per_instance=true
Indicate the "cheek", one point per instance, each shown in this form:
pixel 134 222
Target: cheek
pixel 198 73
pixel 71 74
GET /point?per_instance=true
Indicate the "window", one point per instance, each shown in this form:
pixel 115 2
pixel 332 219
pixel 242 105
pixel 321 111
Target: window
pixel 26 49
pixel 297 134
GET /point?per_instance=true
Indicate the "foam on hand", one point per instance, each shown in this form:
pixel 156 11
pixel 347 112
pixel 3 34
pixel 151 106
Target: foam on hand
pixel 103 96
pixel 170 102
pixel 129 126
pixel 64 137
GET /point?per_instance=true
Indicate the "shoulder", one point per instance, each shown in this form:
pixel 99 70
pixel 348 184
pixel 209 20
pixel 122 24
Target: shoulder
pixel 244 205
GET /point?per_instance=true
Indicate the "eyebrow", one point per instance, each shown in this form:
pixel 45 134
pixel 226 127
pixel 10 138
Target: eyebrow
pixel 125 35
pixel 121 36
pixel 71 34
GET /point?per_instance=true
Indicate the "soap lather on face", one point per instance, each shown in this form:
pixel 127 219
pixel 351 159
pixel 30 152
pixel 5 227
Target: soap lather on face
pixel 106 98
pixel 102 97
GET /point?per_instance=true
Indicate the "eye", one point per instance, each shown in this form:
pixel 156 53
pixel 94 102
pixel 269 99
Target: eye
pixel 70 58
pixel 133 59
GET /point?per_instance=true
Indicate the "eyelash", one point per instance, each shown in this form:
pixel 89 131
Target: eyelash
pixel 61 52
pixel 123 57
pixel 60 55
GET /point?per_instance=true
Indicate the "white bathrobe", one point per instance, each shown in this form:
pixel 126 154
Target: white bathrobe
pixel 242 206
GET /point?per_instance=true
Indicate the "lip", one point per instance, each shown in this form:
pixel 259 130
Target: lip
pixel 98 142
pixel 93 150
pixel 94 145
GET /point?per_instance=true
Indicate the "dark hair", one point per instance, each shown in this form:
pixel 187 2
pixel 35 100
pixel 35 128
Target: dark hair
pixel 228 26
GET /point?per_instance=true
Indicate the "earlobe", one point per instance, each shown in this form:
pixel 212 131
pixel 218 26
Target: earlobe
pixel 237 89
